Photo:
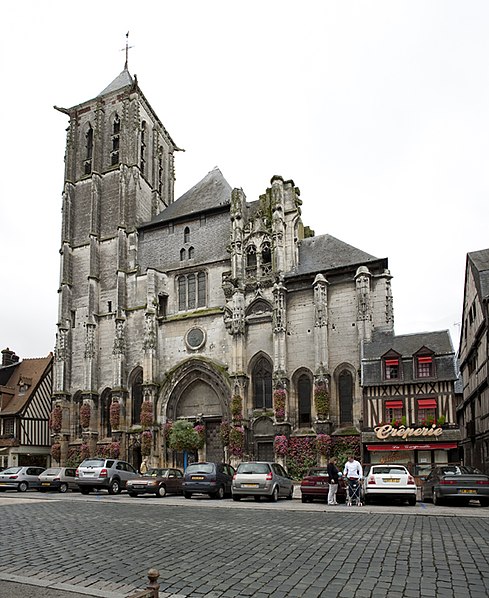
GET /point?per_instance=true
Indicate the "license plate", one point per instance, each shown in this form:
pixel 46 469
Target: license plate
pixel 249 485
pixel 198 477
pixel 138 486
pixel 391 480
pixel 467 491
pixel 45 484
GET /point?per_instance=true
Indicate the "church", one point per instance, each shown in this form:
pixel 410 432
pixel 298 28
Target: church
pixel 219 309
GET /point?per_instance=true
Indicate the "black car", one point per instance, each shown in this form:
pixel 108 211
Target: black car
pixel 214 479
pixel 458 483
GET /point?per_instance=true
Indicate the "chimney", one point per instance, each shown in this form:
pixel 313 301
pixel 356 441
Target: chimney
pixel 9 357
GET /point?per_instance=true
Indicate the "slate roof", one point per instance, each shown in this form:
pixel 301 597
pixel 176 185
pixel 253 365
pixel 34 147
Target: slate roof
pixel 407 345
pixel 122 80
pixel 326 252
pixel 30 370
pixel 213 191
pixel 480 269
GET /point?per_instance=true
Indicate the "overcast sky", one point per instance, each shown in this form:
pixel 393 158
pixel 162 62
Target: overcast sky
pixel 379 112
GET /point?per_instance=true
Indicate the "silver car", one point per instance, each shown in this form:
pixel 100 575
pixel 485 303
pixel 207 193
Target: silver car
pixel 61 479
pixel 109 474
pixel 262 478
pixel 20 478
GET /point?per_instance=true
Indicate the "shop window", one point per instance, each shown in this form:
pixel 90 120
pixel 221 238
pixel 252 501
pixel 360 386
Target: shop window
pixel 262 384
pixel 394 412
pixel 304 388
pixel 424 366
pixel 391 369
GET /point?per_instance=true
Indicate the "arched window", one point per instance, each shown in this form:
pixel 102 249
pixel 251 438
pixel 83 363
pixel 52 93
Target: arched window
pixel 89 149
pixel 76 426
pixel 143 147
pixel 345 384
pixel 266 254
pixel 182 254
pixel 304 389
pixel 105 403
pixel 116 127
pixel 192 291
pixel 137 397
pixel 191 253
pixel 251 257
pixel 186 235
pixel 262 384
pixel 160 170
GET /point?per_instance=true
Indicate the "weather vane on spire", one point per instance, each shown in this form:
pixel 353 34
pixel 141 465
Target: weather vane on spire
pixel 127 48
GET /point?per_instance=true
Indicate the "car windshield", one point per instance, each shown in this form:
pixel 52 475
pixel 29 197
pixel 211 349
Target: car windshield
pixel 388 470
pixel 12 470
pixel 153 473
pixel 52 472
pixel 200 468
pixel 253 468
pixel 459 470
pixel 93 463
pixel 318 472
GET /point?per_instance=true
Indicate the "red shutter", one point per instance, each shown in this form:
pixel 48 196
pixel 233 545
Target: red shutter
pixel 427 404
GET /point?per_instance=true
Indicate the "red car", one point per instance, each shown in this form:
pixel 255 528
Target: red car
pixel 316 485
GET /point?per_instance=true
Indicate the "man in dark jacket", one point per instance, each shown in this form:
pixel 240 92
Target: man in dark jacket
pixel 333 481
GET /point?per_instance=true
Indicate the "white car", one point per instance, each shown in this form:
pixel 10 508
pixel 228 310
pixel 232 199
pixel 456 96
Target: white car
pixel 389 481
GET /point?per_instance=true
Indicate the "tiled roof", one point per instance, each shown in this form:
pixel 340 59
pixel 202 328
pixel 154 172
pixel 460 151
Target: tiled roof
pixel 325 252
pixel 32 370
pixel 480 262
pixel 122 80
pixel 211 192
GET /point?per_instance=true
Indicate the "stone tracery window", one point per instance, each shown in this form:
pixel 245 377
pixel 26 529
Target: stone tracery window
pixel 262 384
pixel 304 391
pixel 136 397
pixel 192 291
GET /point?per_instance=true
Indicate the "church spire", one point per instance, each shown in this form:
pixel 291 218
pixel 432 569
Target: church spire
pixel 127 48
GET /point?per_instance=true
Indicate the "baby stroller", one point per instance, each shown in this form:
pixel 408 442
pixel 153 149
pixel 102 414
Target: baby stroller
pixel 354 493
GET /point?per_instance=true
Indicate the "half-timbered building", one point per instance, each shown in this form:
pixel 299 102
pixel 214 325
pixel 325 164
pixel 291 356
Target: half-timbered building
pixel 25 406
pixel 409 400
pixel 473 410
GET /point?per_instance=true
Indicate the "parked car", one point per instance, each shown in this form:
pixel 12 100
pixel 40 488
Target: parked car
pixel 157 481
pixel 20 478
pixel 209 478
pixel 262 478
pixel 315 484
pixel 109 474
pixel 389 481
pixel 61 479
pixel 459 483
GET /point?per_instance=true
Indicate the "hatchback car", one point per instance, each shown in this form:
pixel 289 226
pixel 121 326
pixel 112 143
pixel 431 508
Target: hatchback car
pixel 20 478
pixel 157 481
pixel 315 484
pixel 61 479
pixel 389 481
pixel 209 478
pixel 459 483
pixel 109 474
pixel 261 478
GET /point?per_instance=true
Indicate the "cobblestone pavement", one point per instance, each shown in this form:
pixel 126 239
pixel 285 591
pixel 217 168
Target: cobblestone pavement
pixel 104 548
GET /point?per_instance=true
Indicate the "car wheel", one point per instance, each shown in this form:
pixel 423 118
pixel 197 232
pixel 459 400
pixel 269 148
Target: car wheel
pixel 85 489
pixel 219 494
pixel 435 498
pixel 187 494
pixel 133 494
pixel 236 497
pixel 484 502
pixel 290 495
pixel 63 488
pixel 22 487
pixel 161 492
pixel 274 496
pixel 257 498
pixel 411 501
pixel 115 487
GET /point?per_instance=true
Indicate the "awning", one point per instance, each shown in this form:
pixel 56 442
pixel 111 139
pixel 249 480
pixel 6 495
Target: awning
pixel 427 403
pixel 412 447
pixel 425 360
pixel 392 362
pixel 394 404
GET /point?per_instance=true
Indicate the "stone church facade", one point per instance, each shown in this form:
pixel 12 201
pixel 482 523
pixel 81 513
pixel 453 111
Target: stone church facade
pixel 210 307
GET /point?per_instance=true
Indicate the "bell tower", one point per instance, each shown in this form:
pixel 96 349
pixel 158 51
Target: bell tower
pixel 118 174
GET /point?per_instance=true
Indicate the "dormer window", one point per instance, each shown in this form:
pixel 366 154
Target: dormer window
pixel 424 366
pixel 391 368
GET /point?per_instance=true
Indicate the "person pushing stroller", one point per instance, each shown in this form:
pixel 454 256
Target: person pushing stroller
pixel 353 473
